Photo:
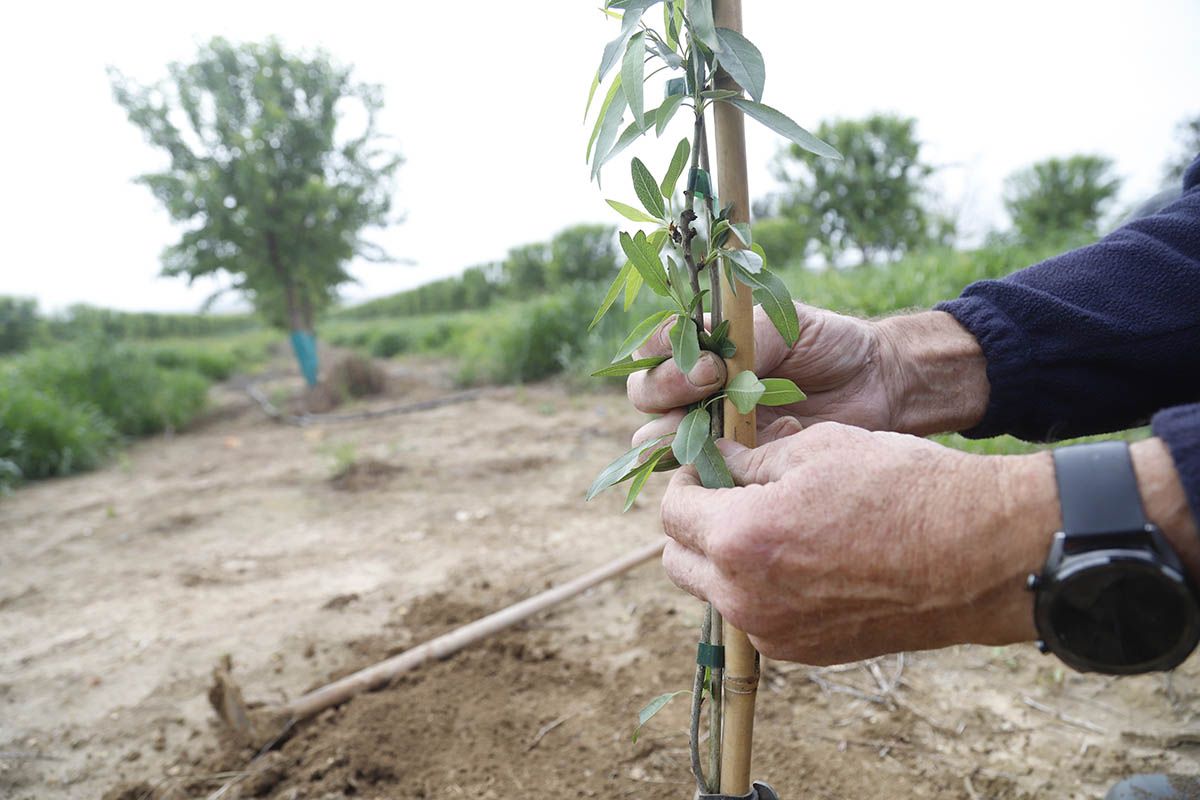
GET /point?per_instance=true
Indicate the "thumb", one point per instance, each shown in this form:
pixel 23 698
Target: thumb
pixel 756 465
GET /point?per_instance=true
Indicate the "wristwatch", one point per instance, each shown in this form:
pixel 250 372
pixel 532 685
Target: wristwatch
pixel 1113 596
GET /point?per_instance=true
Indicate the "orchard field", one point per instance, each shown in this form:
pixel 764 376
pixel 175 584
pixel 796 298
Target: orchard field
pixel 303 553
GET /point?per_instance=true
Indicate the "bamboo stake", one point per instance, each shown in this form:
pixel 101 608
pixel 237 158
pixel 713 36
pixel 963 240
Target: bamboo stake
pixel 741 660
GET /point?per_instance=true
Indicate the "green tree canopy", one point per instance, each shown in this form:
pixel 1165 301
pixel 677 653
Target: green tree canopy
pixel 525 269
pixel 872 202
pixel 274 187
pixel 18 323
pixel 582 253
pixel 1060 196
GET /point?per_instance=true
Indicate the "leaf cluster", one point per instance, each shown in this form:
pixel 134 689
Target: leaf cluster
pixel 704 64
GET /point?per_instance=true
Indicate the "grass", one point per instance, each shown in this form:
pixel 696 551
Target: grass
pixel 66 409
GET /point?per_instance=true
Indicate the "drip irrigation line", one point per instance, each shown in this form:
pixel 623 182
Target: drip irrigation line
pixel 307 419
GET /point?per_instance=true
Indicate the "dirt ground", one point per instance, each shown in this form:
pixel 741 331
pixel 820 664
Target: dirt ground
pixel 306 552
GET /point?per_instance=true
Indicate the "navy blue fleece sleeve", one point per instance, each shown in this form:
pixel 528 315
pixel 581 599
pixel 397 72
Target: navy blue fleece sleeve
pixel 1100 338
pixel 1097 339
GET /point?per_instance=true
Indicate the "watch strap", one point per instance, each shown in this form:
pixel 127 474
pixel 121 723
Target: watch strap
pixel 1097 489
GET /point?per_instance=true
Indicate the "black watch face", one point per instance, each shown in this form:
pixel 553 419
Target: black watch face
pixel 1120 615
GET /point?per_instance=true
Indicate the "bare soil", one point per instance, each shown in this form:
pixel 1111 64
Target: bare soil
pixel 307 552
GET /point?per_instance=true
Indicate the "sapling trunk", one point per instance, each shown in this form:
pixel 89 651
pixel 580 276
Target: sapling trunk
pixel 698 38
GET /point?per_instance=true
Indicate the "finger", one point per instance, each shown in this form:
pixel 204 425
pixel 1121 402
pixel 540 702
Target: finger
pixel 779 429
pixel 687 509
pixel 762 464
pixel 659 343
pixel 688 570
pixel 665 387
pixel 667 423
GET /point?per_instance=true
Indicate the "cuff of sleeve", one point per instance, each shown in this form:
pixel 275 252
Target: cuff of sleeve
pixel 1010 368
pixel 1179 428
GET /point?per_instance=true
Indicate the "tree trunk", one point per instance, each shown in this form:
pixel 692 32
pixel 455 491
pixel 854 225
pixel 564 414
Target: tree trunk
pixel 299 315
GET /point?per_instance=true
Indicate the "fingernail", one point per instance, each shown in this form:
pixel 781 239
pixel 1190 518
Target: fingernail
pixel 705 373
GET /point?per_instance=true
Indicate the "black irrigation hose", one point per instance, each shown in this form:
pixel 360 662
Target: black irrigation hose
pixel 304 420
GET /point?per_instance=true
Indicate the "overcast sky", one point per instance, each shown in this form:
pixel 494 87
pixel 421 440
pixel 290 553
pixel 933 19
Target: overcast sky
pixel 485 101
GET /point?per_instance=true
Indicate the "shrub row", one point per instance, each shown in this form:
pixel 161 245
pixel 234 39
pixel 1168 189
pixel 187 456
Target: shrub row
pixel 63 410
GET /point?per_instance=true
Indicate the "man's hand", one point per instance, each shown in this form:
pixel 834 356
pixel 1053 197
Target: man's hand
pixel 920 373
pixel 841 544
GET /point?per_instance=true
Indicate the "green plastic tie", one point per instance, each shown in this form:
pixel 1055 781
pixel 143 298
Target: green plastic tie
pixel 698 183
pixel 710 655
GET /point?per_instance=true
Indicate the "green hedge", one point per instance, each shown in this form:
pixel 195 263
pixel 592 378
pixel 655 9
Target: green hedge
pixel 63 410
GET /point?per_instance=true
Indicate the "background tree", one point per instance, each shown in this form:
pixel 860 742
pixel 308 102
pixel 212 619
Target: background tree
pixel 1189 140
pixel 1059 197
pixel 18 323
pixel 274 191
pixel 872 202
pixel 582 253
pixel 525 269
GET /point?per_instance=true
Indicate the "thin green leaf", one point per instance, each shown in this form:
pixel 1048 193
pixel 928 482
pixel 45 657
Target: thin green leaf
pixel 631 213
pixel 633 74
pixel 666 112
pixel 678 162
pixel 647 189
pixel 639 477
pixel 691 435
pixel 609 99
pixel 613 50
pixel 710 464
pixel 666 52
pixel 630 135
pixel 611 124
pixel 743 61
pixel 744 390
pixel 780 392
pixel 645 260
pixel 667 464
pixel 653 707
pixel 719 94
pixel 772 293
pixel 633 286
pixel 685 347
pixel 621 467
pixel 629 367
pixel 710 340
pixel 742 229
pixel 610 296
pixel 784 126
pixel 672 22
pixel 591 93
pixel 641 332
pixel 748 260
pixel 700 17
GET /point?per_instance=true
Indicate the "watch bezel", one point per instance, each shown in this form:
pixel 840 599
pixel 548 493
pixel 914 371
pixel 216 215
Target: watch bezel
pixel 1154 557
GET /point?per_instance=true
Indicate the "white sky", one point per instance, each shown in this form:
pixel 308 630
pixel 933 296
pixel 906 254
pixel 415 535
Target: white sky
pixel 485 101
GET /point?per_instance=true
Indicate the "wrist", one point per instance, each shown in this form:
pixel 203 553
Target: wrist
pixel 934 372
pixel 1018 530
pixel 1165 501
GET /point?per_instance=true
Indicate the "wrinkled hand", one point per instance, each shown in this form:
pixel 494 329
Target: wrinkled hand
pixel 840 544
pixel 838 362
pixel 917 373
